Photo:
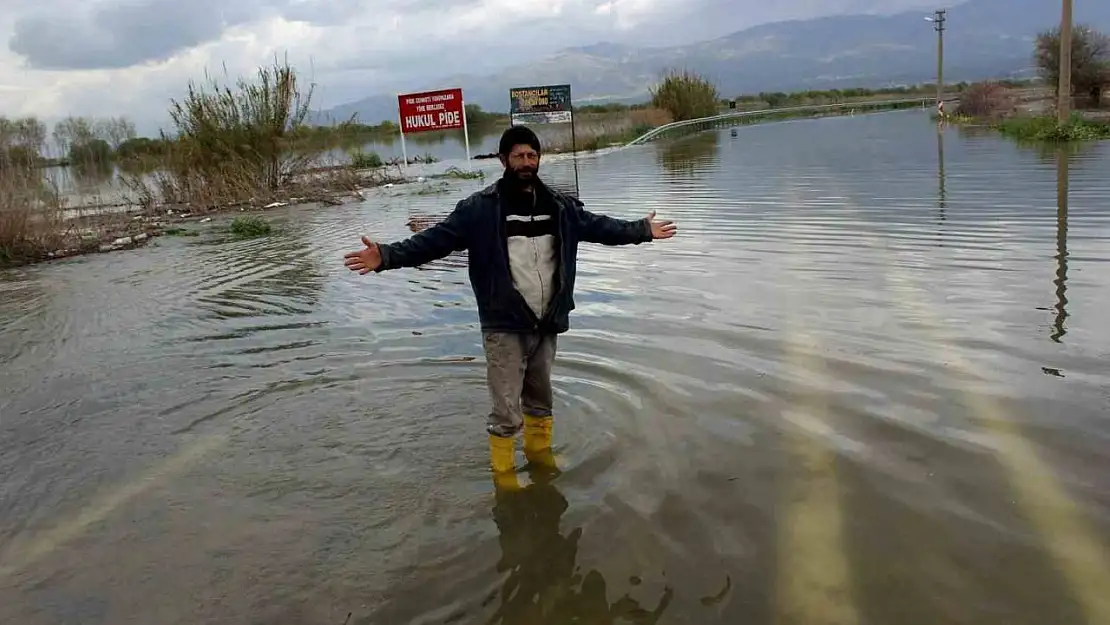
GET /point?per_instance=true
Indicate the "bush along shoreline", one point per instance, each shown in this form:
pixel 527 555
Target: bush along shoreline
pixel 1044 129
pixel 1032 117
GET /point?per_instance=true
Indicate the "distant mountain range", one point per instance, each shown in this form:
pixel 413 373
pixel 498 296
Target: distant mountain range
pixel 984 38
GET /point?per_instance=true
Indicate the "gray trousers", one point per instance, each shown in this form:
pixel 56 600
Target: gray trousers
pixel 518 372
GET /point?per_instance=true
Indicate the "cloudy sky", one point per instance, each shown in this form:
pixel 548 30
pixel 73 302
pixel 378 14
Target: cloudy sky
pixel 128 57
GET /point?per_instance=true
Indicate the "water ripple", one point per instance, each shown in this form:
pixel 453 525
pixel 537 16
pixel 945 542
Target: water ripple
pixel 844 322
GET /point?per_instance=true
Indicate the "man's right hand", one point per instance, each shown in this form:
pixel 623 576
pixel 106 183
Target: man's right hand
pixel 365 260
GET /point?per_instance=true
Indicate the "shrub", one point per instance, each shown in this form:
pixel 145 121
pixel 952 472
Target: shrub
pixel 1048 129
pixel 241 133
pixel 30 216
pixel 94 153
pixel 685 95
pixel 365 160
pixel 987 100
pixel 249 227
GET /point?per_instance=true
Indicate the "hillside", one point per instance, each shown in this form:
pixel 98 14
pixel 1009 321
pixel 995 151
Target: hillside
pixel 985 38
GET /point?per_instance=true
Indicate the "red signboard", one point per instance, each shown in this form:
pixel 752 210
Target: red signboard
pixel 431 110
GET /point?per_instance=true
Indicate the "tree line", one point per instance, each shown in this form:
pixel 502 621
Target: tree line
pixel 23 141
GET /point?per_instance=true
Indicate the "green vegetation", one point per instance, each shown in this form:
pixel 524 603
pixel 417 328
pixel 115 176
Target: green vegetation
pixel 250 226
pixel 1049 129
pixel 475 116
pixel 234 138
pixel 996 105
pixel 1090 61
pixel 21 142
pixel 459 174
pixel 686 95
pixel 779 99
pixel 180 232
pixel 608 109
pixel 365 160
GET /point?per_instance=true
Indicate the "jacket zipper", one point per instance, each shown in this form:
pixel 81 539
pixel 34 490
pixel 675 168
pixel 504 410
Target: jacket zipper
pixel 536 253
pixel 505 258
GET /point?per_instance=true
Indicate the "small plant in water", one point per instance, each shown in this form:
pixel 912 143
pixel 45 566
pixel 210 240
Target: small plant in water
pixel 249 227
pixel 365 160
pixel 180 232
pixel 455 172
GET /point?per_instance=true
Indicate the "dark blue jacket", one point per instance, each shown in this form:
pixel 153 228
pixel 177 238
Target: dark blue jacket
pixel 477 225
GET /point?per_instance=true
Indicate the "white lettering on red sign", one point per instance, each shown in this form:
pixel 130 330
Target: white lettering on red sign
pixel 433 110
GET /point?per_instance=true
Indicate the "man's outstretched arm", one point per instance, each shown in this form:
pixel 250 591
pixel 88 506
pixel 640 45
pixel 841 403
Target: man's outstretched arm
pixel 606 230
pixel 421 248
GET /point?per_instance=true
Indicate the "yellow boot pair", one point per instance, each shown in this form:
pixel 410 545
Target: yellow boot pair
pixel 537 448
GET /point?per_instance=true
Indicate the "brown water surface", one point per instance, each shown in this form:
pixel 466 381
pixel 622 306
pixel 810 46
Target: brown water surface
pixel 868 383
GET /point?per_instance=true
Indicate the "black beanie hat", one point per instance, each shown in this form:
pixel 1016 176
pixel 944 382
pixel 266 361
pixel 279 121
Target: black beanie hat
pixel 517 135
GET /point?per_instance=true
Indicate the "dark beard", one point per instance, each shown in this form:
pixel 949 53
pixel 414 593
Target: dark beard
pixel 513 179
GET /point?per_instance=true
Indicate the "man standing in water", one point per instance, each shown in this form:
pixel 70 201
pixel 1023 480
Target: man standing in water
pixel 522 240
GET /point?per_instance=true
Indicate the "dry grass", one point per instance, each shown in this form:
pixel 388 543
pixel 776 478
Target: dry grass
pixel 650 117
pixel 987 100
pixel 37 223
pixel 30 216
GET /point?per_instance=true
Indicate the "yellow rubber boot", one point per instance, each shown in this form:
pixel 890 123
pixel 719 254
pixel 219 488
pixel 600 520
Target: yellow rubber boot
pixel 502 464
pixel 537 441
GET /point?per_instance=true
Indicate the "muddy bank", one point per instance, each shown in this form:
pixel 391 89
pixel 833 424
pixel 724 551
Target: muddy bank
pixel 100 228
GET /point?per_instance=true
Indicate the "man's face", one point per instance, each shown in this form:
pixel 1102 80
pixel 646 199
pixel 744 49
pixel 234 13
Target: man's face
pixel 523 162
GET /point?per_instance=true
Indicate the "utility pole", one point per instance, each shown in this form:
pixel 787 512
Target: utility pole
pixel 938 19
pixel 1063 107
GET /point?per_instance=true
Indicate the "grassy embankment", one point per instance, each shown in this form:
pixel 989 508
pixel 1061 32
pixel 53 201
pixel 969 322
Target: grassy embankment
pixel 1027 116
pixel 1033 117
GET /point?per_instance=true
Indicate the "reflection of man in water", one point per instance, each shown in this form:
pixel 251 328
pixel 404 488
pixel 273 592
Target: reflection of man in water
pixel 522 240
pixel 543 586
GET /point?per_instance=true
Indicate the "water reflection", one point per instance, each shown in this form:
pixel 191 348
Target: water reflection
pixel 252 279
pixel 350 478
pixel 478 134
pixel 942 194
pixel 1063 158
pixel 689 157
pixel 544 584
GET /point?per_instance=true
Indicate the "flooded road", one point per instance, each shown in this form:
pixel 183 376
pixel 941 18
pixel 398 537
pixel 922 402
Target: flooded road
pixel 868 383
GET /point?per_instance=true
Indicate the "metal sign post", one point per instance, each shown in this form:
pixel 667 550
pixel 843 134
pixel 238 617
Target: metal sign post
pixel 404 152
pixel 466 138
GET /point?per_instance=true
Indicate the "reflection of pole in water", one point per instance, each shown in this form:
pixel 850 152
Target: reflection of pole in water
pixel 1061 245
pixel 942 194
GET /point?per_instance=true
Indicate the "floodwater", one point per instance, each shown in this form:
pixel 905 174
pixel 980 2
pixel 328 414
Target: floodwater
pixel 106 185
pixel 867 384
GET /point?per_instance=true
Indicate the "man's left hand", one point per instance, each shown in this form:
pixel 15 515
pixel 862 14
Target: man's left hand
pixel 661 229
